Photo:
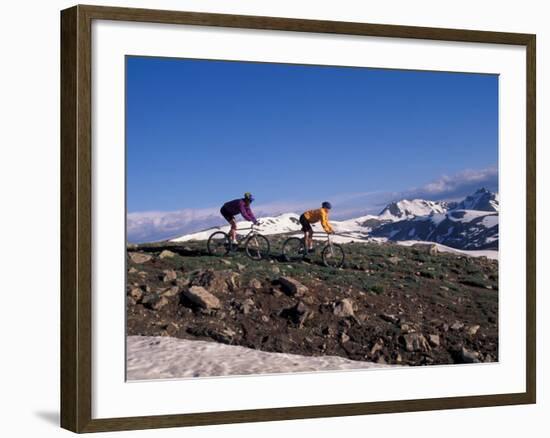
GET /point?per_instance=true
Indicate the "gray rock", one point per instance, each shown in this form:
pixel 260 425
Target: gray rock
pixel 292 286
pixel 199 296
pixel 394 260
pixel 344 308
pixel 169 275
pixel 166 254
pixel 139 258
pixel 170 292
pixel 457 326
pixel 136 293
pixel 216 281
pixel 407 328
pixel 255 284
pixel 247 306
pixel 154 301
pixel 172 328
pixel 469 356
pixel 161 302
pixel 472 330
pixel 434 340
pixel 377 347
pixel 390 318
pixel 416 342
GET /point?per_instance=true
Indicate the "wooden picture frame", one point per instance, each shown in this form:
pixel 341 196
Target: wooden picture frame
pixel 76 217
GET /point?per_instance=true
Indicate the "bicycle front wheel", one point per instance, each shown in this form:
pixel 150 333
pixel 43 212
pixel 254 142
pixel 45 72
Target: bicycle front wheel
pixel 218 244
pixel 257 247
pixel 294 249
pixel 333 256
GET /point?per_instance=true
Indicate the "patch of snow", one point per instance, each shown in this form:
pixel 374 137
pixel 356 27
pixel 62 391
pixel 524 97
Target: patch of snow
pixel 489 253
pixel 162 357
pixel 490 221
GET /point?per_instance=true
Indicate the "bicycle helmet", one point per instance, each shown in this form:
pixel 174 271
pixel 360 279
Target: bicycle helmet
pixel 248 196
pixel 326 205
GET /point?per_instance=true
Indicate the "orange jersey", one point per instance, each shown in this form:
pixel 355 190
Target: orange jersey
pixel 321 214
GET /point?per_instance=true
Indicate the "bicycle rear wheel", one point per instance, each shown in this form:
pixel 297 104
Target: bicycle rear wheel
pixel 218 244
pixel 257 247
pixel 333 256
pixel 294 249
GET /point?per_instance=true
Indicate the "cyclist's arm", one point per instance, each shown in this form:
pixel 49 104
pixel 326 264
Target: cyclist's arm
pixel 325 223
pixel 246 213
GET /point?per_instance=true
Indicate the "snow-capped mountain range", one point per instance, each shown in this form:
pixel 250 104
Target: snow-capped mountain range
pixel 471 224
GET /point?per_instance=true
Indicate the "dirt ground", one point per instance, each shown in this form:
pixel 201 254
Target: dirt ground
pixel 388 304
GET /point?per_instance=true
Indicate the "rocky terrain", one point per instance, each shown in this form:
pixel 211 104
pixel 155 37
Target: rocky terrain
pixel 389 304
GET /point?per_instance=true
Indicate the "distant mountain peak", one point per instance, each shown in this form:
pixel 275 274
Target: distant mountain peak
pixel 482 200
pixel 406 209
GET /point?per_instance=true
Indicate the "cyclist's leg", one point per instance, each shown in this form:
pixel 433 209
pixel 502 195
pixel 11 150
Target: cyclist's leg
pixel 231 219
pixel 233 230
pixel 309 244
pixel 308 231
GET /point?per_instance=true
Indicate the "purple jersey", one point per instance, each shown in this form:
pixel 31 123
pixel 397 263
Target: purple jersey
pixel 238 206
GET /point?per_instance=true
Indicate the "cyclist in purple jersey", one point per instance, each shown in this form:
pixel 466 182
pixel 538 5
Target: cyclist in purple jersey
pixel 238 206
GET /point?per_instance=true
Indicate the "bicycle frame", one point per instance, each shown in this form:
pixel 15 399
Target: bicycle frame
pixel 253 231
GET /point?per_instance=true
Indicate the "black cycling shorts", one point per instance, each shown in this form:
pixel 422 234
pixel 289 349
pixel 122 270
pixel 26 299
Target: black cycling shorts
pixel 306 226
pixel 228 216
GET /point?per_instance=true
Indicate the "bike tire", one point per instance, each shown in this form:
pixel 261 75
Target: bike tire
pixel 333 256
pixel 293 249
pixel 218 244
pixel 257 247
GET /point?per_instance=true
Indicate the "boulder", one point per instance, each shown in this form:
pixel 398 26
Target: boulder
pixel 457 326
pixel 138 258
pixel 415 342
pixel 467 356
pixel 434 340
pixel 166 254
pixel 377 347
pixel 216 281
pixel 292 287
pixel 199 296
pixel 394 260
pixel 255 284
pixel 343 308
pixel 154 301
pixel 170 292
pixel 169 275
pixel 136 293
pixel 247 306
pixel 297 314
pixel 161 302
pixel 390 318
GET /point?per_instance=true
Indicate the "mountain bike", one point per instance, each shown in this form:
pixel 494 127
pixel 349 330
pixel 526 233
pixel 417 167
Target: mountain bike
pixel 332 254
pixel 256 246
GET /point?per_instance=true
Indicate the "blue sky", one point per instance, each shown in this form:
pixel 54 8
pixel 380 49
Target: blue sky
pixel 203 132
